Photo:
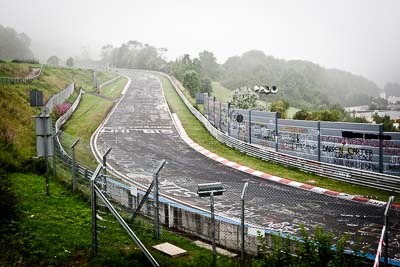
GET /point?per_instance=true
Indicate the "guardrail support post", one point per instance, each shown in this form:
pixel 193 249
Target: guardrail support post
pixel 381 148
pixel 74 165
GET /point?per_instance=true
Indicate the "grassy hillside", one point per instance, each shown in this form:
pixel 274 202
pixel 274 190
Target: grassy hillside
pixel 17 136
pixel 9 69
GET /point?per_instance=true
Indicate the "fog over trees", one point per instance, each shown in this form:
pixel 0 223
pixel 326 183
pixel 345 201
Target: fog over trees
pixel 14 45
pixel 301 83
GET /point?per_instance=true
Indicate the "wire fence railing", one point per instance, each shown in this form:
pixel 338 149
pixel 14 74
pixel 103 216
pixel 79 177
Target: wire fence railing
pixel 196 222
pixel 17 80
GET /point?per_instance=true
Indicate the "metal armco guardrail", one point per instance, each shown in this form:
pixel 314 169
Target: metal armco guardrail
pixel 341 173
pixel 15 80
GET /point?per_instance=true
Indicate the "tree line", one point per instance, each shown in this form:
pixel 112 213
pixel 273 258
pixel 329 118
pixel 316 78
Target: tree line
pixel 14 45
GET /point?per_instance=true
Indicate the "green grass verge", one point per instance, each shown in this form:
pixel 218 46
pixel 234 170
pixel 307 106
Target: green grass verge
pixel 114 89
pixel 90 113
pixel 199 134
pixel 20 70
pixel 56 230
pixel 220 92
pixel 104 76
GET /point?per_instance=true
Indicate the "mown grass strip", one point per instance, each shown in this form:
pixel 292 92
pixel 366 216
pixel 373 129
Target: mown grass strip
pixel 200 135
pixel 114 89
pixel 90 113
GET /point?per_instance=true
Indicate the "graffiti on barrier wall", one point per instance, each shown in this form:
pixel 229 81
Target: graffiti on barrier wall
pixel 264 132
pixel 298 139
pixel 347 152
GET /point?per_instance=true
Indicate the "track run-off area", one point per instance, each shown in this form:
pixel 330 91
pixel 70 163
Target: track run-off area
pixel 142 132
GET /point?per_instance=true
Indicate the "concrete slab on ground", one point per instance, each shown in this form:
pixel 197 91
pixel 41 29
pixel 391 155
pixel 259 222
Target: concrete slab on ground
pixel 169 249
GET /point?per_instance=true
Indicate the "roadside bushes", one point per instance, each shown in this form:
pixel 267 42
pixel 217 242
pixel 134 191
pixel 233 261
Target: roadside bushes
pixel 311 251
pixel 61 109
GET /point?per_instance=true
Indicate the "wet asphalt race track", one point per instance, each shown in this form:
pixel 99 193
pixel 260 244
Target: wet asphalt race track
pixel 141 133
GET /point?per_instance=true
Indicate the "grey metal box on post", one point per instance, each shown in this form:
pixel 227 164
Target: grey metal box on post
pixel 43 135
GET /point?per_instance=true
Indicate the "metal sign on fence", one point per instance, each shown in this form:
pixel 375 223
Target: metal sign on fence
pixel 36 98
pixel 44 140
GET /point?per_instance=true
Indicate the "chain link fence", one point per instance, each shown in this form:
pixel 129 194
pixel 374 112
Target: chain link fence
pixel 363 227
pixel 363 223
pixel 17 80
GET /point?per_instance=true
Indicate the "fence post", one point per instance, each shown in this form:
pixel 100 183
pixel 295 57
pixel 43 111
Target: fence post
pixel 214 254
pixel 214 111
pixel 54 154
pixel 242 229
pixel 386 223
pixel 228 118
pixel 319 140
pixel 74 165
pixel 46 152
pixel 156 196
pixel 250 126
pixel 220 115
pixel 104 184
pixel 381 147
pixel 276 132
pixel 94 208
pixel 94 217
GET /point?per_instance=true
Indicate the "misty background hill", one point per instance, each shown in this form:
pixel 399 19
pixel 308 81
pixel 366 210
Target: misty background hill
pixel 302 83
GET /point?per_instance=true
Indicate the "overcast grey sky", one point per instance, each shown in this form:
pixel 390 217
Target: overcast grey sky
pixel 361 36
